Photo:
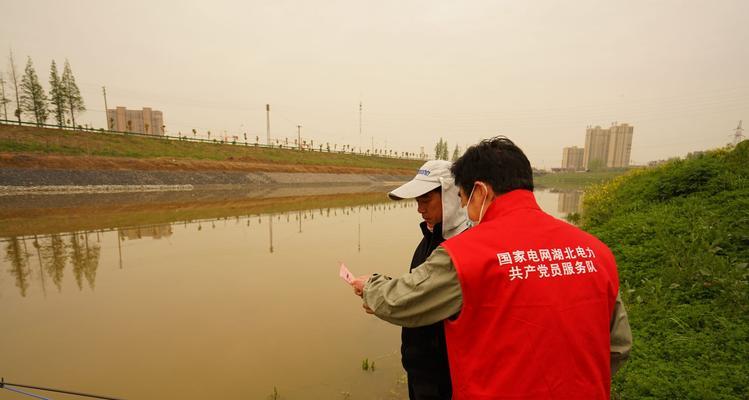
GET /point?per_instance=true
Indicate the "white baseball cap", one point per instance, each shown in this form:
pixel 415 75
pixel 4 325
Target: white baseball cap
pixel 426 179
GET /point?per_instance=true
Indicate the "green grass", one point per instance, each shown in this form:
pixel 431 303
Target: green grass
pixel 76 143
pixel 680 233
pixel 575 180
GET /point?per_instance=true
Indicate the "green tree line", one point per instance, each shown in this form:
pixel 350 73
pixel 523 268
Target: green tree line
pixel 441 151
pixel 62 102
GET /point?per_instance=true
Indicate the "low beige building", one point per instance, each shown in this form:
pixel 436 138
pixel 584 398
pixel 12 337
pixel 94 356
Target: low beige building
pixel 146 121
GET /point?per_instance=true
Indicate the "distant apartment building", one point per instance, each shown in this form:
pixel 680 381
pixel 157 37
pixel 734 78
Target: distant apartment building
pixel 572 158
pixel 620 146
pixel 146 121
pixel 596 147
pixel 608 147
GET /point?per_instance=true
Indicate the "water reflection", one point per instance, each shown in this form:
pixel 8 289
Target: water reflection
pixel 84 258
pixel 155 232
pixel 35 215
pixel 18 257
pixel 81 250
pixel 569 201
pixel 242 293
pixel 52 255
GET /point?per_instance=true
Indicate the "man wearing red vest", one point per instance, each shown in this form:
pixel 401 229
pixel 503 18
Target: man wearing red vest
pixel 531 303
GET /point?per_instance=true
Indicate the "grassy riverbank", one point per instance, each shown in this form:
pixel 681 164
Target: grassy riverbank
pixel 680 233
pixel 17 139
pixel 575 180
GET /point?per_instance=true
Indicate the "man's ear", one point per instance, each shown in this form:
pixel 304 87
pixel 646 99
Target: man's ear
pixel 488 191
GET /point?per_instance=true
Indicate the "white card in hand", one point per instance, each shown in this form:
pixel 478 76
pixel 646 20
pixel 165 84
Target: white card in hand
pixel 345 274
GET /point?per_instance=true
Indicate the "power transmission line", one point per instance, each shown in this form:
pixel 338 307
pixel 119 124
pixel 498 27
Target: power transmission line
pixel 738 136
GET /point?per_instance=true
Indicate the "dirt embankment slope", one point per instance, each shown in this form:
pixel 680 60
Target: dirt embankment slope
pixel 32 157
pixel 34 147
pixel 65 162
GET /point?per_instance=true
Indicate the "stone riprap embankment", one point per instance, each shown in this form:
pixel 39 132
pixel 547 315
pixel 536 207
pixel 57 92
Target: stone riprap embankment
pixel 70 189
pixel 42 181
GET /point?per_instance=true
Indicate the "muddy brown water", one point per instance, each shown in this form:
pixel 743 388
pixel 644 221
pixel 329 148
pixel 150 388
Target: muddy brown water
pixel 235 300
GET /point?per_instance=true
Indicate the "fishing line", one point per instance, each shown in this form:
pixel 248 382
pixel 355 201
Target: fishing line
pixel 26 393
pixel 5 385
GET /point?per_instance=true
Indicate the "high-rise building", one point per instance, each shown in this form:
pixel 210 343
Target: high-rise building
pixel 620 146
pixel 572 158
pixel 147 121
pixel 608 147
pixel 596 147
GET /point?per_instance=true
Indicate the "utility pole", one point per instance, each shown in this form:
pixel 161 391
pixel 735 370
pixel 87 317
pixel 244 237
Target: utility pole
pixel 299 136
pixel 41 269
pixel 119 245
pixel 106 109
pixel 360 112
pixel 739 135
pixel 267 122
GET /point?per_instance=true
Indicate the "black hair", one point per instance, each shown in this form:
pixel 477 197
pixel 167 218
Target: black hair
pixel 497 162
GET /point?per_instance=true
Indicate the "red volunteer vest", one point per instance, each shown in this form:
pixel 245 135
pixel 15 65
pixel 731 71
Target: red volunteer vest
pixel 538 295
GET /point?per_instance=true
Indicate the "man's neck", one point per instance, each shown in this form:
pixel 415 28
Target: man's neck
pixel 427 230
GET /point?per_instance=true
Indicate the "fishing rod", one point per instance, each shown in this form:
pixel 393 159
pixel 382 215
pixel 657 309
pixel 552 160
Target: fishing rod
pixel 6 385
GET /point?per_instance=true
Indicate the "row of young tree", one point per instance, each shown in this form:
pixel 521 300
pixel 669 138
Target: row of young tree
pixel 63 102
pixel 441 151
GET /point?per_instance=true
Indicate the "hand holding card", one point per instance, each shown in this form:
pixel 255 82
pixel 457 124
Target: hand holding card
pixel 345 274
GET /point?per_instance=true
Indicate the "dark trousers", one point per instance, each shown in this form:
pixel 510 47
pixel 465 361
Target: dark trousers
pixel 421 387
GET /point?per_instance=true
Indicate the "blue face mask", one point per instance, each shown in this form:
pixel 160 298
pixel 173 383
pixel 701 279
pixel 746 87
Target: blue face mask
pixel 483 202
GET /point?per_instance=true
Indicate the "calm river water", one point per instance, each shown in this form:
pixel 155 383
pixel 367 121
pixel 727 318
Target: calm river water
pixel 234 301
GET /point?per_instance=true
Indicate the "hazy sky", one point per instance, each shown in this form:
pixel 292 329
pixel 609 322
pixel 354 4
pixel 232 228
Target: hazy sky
pixel 536 71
